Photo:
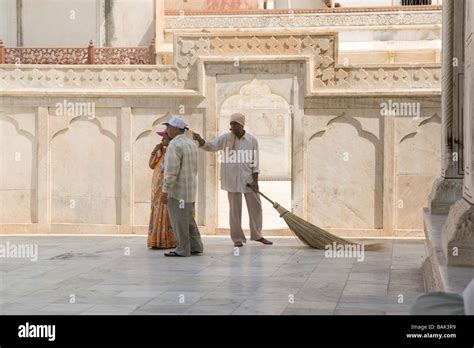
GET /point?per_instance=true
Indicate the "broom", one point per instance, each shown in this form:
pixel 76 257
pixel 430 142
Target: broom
pixel 310 234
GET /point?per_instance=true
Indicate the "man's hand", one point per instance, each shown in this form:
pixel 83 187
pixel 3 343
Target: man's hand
pixel 254 185
pixel 164 197
pixel 198 138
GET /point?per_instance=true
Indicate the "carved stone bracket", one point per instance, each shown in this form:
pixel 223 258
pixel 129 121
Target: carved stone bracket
pixel 458 234
pixel 444 193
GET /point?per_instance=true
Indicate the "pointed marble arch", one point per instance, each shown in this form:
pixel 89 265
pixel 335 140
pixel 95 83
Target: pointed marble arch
pixel 351 121
pixel 247 86
pixel 435 118
pixel 146 132
pixel 4 117
pixel 94 120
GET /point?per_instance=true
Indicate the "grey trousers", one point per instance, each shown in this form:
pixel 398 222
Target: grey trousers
pixel 185 228
pixel 254 207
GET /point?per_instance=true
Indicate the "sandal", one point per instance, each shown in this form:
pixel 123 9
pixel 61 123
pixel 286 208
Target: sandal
pixel 264 241
pixel 172 253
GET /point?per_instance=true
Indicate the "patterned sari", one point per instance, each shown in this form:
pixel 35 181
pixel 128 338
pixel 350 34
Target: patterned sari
pixel 160 234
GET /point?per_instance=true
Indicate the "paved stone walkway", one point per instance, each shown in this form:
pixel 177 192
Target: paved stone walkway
pixel 95 273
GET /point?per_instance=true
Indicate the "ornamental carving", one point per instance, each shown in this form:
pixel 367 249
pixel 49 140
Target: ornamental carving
pixel 318 51
pixel 25 55
pixel 458 234
pixel 77 56
pixel 123 55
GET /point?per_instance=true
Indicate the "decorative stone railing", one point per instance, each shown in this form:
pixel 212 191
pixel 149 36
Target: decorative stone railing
pixel 78 56
pixel 315 51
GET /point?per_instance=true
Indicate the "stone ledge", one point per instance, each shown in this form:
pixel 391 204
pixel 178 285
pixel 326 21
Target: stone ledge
pixel 437 275
pixel 293 11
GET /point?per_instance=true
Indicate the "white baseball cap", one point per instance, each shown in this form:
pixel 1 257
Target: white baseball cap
pixel 177 122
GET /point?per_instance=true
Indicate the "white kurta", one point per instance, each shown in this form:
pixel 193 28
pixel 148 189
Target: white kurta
pixel 237 166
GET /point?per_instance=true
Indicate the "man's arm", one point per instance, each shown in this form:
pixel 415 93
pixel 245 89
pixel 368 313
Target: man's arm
pixel 211 146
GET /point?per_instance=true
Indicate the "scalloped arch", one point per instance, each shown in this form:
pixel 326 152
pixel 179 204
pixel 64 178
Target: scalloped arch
pixel 434 118
pixel 351 121
pixel 81 118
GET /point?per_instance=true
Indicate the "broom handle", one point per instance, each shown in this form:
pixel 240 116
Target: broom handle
pixel 257 191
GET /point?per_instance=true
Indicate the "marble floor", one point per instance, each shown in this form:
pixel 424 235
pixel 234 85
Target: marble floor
pixel 118 275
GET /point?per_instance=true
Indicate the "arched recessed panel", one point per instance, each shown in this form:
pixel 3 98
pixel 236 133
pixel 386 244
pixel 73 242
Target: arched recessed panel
pixel 418 165
pixel 84 175
pixel 142 176
pixel 18 178
pixel 344 177
pixel 146 139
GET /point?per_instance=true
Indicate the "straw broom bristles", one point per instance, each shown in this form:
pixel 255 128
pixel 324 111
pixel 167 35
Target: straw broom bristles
pixel 313 236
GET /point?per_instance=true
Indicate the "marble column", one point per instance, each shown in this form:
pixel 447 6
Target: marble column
pixel 447 189
pixel 458 231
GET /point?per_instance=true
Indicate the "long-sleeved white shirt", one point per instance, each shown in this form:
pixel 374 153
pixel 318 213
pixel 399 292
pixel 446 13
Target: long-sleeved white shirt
pixel 239 165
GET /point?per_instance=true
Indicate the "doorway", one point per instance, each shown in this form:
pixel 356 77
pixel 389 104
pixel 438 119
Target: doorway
pixel 263 99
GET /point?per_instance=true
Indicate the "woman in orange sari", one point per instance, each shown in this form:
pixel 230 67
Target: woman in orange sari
pixel 160 234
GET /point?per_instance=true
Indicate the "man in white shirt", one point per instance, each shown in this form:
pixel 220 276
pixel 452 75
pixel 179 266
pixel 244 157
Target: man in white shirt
pixel 238 154
pixel 179 188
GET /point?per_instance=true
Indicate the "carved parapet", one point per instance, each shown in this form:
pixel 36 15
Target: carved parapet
pixel 444 194
pixel 458 234
pixel 387 77
pixel 26 77
pixel 317 51
pixel 320 50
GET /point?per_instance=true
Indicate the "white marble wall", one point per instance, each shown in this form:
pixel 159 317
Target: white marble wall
pixel 95 172
pixel 85 163
pixel 79 173
pixel 418 162
pixel 344 171
pixel 367 172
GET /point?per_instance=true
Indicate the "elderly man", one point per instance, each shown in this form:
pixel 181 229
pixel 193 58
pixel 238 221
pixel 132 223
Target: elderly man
pixel 179 188
pixel 239 167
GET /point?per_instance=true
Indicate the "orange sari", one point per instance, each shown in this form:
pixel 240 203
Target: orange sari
pixel 160 234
